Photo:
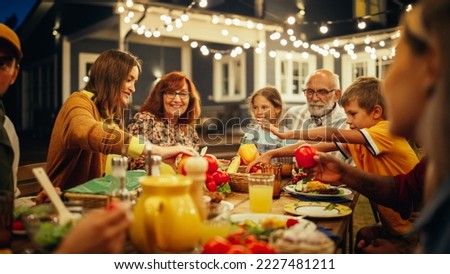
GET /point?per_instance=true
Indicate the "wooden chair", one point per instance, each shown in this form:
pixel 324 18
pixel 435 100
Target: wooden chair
pixel 26 180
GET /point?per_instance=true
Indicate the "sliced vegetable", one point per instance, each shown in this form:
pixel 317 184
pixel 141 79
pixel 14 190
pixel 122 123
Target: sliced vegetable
pixel 234 165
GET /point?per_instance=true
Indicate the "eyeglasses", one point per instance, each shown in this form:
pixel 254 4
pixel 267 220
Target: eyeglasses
pixel 309 92
pixel 6 62
pixel 182 94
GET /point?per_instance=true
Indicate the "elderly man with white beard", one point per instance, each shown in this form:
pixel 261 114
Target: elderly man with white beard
pixel 322 91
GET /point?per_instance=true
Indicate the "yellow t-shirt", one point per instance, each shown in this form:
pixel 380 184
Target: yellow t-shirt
pixel 384 154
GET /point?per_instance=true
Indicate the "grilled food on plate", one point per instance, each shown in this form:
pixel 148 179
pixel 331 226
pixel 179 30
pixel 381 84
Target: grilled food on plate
pixel 320 188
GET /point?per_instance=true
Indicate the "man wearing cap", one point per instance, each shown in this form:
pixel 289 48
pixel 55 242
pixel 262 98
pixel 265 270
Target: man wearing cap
pixel 10 55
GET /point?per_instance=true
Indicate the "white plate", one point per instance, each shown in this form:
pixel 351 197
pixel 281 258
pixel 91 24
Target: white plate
pixel 19 232
pixel 257 217
pixel 343 192
pixel 228 204
pixel 207 199
pixel 27 201
pixel 317 209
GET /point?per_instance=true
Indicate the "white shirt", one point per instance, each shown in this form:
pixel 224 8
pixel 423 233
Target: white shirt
pixel 14 139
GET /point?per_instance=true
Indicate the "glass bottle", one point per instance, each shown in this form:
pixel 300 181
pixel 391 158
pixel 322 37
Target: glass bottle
pixel 119 191
pixel 148 159
pixel 155 168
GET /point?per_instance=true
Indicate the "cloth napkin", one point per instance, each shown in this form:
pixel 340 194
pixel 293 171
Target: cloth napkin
pixel 101 186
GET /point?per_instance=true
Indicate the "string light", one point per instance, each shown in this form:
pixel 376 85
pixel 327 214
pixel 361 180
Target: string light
pixel 323 28
pixel 169 21
pixel 361 23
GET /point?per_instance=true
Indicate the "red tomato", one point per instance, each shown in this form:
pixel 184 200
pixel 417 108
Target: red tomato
pixel 291 222
pixel 238 249
pixel 250 239
pixel 220 177
pixel 236 237
pixel 255 169
pixel 304 155
pixel 17 225
pixel 210 184
pixel 216 245
pixel 259 247
pixel 212 163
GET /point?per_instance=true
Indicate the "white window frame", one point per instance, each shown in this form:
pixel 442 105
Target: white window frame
pixel 84 58
pixel 371 68
pixel 290 57
pixel 348 63
pixel 380 62
pixel 218 92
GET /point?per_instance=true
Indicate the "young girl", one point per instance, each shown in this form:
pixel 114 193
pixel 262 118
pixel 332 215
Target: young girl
pixel 265 105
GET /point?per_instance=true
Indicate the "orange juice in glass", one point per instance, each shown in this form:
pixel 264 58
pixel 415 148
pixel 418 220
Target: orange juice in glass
pixel 217 222
pixel 260 190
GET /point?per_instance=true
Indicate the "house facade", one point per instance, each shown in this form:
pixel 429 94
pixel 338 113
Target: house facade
pixel 229 50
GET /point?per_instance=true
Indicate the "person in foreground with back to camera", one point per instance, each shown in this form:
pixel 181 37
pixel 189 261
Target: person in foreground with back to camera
pixel 89 125
pixel 168 114
pixel 416 88
pixel 99 231
pixel 265 105
pixel 372 148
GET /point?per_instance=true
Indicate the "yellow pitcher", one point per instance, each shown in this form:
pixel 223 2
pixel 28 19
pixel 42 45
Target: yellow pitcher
pixel 165 216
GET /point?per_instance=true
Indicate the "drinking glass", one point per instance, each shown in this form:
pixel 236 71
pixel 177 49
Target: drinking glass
pixel 288 165
pixel 260 189
pixel 217 222
pixel 275 169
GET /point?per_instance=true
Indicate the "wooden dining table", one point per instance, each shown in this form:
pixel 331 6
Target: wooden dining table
pixel 341 227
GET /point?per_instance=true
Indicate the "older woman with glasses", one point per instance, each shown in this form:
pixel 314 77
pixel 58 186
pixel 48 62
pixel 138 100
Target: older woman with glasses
pixel 166 118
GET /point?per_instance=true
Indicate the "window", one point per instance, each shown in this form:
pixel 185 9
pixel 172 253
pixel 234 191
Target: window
pixel 229 79
pixel 359 69
pixel 384 60
pixel 374 7
pixel 291 70
pixel 362 65
pixel 85 61
pixel 365 65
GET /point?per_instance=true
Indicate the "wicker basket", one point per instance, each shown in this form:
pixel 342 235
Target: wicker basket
pixel 239 182
pixel 89 201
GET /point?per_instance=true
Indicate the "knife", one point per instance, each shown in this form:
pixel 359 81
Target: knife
pixel 203 151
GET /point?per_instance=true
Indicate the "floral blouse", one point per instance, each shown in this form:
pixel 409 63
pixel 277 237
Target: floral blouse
pixel 161 133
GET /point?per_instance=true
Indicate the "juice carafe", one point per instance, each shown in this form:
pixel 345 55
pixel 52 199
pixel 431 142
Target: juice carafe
pixel 165 217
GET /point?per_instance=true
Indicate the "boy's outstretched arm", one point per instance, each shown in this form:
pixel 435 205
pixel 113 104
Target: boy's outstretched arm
pixel 320 134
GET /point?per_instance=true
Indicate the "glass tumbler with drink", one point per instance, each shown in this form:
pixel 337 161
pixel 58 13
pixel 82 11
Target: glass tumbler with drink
pixel 216 223
pixel 275 169
pixel 260 188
